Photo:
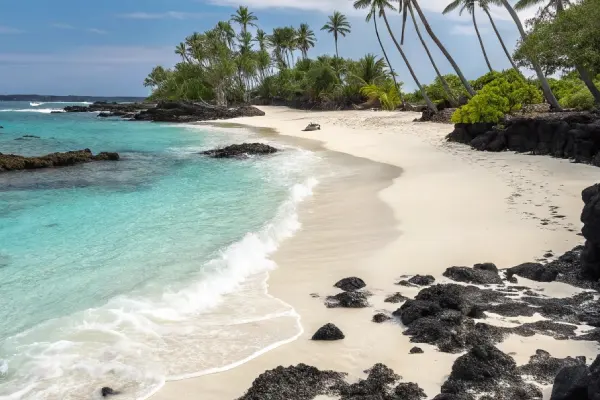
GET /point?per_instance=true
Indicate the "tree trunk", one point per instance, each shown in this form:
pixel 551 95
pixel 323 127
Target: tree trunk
pixel 412 73
pixel 451 98
pixel 336 46
pixel 584 74
pixel 536 66
pixel 487 61
pixel 464 80
pixel 512 62
pixel 386 57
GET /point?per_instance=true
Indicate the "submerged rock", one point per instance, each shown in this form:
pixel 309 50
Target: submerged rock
pixel 328 332
pixel 241 150
pixel 350 284
pixel 11 162
pixel 300 382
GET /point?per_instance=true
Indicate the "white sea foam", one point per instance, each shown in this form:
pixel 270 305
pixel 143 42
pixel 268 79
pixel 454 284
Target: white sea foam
pixel 34 110
pixel 136 343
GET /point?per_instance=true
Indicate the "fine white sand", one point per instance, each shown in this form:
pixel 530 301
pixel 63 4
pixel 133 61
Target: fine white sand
pixel 414 204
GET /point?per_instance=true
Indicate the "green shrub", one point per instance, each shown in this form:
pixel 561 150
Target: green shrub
pixel 387 94
pixel 496 99
pixel 581 99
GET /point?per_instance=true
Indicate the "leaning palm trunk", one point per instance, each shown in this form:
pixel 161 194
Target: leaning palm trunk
pixel 464 80
pixel 430 104
pixel 487 61
pixel 584 74
pixel 512 62
pixel 536 66
pixel 445 85
pixel 387 59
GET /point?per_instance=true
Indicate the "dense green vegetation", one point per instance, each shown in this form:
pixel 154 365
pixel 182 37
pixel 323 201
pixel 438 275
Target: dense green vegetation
pixel 227 64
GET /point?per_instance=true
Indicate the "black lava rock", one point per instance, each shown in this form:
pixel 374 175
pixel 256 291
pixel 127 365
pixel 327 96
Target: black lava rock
pixel 422 280
pixel 571 383
pixel 534 271
pixel 378 384
pixel 348 300
pixel 350 284
pixel 471 275
pixel 381 317
pixel 491 267
pixel 396 298
pixel 106 391
pixel 416 350
pixel 328 332
pixel 241 150
pixel 409 391
pixel 544 368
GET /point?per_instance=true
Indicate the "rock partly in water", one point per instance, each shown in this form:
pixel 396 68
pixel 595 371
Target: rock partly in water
pixel 181 111
pixel 350 284
pixel 396 298
pixel 11 162
pixel 472 275
pixel 422 280
pixel 328 332
pixel 300 382
pixel 111 108
pixel 381 317
pixel 348 300
pixel 241 150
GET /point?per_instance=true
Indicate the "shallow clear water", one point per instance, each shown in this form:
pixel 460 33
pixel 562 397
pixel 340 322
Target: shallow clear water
pixel 132 272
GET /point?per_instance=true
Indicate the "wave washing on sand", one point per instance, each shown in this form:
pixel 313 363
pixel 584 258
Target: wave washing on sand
pixel 134 344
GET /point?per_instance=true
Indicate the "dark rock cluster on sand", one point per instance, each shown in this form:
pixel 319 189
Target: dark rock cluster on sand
pixel 572 135
pixel 350 284
pixel 578 382
pixel 348 300
pixel 180 111
pixel 241 150
pixel 12 162
pixel 590 257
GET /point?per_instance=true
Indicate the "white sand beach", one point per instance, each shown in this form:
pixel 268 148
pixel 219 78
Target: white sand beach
pixel 416 205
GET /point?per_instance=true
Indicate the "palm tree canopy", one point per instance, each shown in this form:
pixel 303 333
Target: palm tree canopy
pixel 244 18
pixel 468 5
pixel 305 37
pixel 337 24
pixel 374 5
pixel 523 4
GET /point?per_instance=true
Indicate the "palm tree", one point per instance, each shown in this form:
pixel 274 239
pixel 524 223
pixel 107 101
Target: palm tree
pixel 371 15
pixel 439 44
pixel 225 32
pixel 380 6
pixel 181 50
pixel 338 25
pixel 445 85
pixel 536 66
pixel 469 5
pixel 261 39
pixel 484 4
pixel 305 39
pixel 370 70
pixel 244 18
pixel 559 6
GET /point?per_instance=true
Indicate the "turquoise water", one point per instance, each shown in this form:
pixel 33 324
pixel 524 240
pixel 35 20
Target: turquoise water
pixel 127 273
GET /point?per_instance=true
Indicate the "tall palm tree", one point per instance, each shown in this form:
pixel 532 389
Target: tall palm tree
pixel 338 25
pixel 371 15
pixel 181 50
pixel 536 66
pixel 244 18
pixel 381 6
pixel 469 6
pixel 559 6
pixel 225 31
pixel 484 4
pixel 439 44
pixel 261 39
pixel 445 85
pixel 305 39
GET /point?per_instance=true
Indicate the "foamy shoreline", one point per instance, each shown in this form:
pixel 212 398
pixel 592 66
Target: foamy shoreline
pixel 450 206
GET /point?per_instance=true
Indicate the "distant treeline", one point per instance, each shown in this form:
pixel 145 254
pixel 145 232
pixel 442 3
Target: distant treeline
pixel 71 99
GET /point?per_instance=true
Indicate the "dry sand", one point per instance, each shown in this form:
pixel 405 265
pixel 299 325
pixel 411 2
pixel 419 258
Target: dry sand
pixel 412 204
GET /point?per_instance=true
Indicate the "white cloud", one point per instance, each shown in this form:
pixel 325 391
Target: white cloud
pixel 165 15
pixel 7 30
pixel 63 26
pixel 97 31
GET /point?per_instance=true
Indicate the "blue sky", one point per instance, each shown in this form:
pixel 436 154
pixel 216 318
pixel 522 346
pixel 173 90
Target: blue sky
pixel 107 47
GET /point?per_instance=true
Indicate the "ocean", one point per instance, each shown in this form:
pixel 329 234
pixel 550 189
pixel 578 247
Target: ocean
pixel 128 274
